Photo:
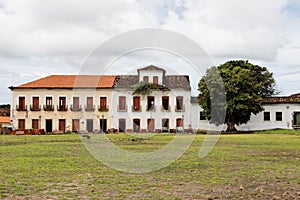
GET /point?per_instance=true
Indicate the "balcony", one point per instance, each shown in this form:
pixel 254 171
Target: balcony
pixel 76 108
pixel 89 108
pixel 122 108
pixel 103 108
pixel 21 107
pixel 62 108
pixel 35 108
pixel 165 108
pixel 136 108
pixel 48 108
pixel 179 108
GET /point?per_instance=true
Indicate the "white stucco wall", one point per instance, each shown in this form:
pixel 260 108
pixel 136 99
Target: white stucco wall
pixel 56 115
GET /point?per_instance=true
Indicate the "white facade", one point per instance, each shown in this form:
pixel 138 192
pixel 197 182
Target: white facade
pixel 114 107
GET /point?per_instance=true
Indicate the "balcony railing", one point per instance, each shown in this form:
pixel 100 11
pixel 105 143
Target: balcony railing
pixel 62 108
pixel 122 108
pixel 89 108
pixel 179 108
pixel 165 108
pixel 35 108
pixel 21 108
pixel 103 108
pixel 76 108
pixel 48 108
pixel 136 108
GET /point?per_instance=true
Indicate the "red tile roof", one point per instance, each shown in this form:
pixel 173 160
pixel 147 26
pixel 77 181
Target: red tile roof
pixel 71 81
pixel 4 119
pixel 294 98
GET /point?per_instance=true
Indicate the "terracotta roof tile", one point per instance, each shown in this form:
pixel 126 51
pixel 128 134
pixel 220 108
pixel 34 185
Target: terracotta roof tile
pixel 72 81
pixel 4 119
pixel 294 98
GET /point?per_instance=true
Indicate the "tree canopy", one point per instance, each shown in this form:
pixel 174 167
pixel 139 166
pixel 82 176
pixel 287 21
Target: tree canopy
pixel 246 85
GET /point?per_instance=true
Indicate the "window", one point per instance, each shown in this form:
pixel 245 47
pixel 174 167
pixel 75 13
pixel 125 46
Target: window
pixel 146 78
pixel 165 103
pixel 35 124
pixel 278 116
pixel 179 103
pixel 21 123
pixel 49 101
pixel 136 104
pixel 75 105
pixel 103 104
pixel 202 117
pixel 49 104
pixel 266 116
pixel 155 80
pixel 62 106
pixel 21 106
pixel 150 103
pixel 122 104
pixel 35 104
pixel 89 104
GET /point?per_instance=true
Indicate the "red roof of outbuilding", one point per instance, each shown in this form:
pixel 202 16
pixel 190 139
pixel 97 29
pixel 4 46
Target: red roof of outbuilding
pixel 4 119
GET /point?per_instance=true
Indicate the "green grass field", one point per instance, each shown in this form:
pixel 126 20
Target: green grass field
pixel 263 165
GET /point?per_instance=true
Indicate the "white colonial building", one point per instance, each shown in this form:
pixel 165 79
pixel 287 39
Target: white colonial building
pixel 88 103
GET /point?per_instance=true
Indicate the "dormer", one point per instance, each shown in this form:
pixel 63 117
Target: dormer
pixel 151 74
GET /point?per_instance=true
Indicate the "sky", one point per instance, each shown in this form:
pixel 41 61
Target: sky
pixel 41 38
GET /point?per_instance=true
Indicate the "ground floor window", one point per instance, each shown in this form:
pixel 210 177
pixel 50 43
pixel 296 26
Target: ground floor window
pixel 278 116
pixel 267 116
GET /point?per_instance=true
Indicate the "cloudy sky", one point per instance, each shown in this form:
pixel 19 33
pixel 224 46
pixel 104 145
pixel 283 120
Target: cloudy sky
pixel 39 38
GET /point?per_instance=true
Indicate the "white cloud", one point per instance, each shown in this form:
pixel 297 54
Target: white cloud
pixel 40 38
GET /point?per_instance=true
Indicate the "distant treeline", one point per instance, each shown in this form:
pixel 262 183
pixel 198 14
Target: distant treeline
pixel 5 106
pixel 4 110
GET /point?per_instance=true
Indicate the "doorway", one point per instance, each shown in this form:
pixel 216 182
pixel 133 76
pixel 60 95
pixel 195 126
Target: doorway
pixel 122 125
pixel 136 125
pixel 75 125
pixel 103 125
pixel 150 125
pixel 48 125
pixel 89 125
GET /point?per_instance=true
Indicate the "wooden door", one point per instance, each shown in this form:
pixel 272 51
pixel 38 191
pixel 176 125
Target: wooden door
pixel 35 123
pixel 21 123
pixel 75 125
pixel 76 102
pixel 90 103
pixel 136 125
pixel 62 125
pixel 103 103
pixel 21 103
pixel 136 103
pixel 122 103
pixel 151 127
pixel 122 125
pixel 35 103
pixel 89 125
pixel 49 125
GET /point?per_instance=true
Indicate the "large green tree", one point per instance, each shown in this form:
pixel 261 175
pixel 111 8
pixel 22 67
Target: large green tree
pixel 245 84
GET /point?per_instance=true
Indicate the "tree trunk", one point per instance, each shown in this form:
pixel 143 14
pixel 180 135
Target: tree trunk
pixel 230 127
